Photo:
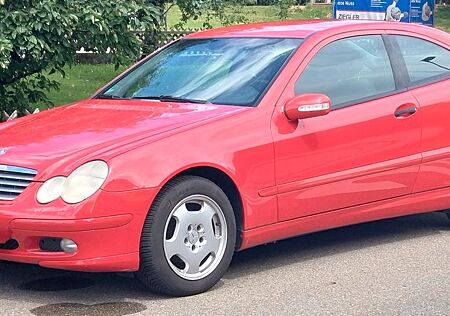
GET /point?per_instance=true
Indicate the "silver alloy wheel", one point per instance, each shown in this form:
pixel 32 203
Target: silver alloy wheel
pixel 195 237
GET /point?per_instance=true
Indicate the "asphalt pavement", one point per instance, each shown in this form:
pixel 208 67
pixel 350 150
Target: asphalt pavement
pixel 391 267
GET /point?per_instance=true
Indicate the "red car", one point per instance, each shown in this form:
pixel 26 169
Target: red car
pixel 228 139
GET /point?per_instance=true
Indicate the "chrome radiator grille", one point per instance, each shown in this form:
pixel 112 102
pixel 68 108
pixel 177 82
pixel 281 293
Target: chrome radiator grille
pixel 13 180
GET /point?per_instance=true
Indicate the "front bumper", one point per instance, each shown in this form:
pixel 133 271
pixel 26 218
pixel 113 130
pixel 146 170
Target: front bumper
pixel 107 231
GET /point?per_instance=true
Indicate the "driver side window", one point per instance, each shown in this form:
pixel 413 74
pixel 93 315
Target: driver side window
pixel 348 71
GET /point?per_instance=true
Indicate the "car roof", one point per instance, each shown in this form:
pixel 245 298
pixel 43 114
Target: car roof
pixel 302 29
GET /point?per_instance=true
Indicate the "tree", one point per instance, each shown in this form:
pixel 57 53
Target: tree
pixel 40 36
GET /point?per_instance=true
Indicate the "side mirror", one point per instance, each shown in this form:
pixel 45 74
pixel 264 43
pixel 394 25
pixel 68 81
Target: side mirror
pixel 307 105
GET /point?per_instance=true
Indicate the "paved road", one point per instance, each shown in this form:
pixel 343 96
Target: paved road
pixel 391 267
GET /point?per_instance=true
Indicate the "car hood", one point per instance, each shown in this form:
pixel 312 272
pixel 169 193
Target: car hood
pixel 72 132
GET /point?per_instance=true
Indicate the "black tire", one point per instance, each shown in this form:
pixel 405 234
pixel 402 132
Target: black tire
pixel 155 272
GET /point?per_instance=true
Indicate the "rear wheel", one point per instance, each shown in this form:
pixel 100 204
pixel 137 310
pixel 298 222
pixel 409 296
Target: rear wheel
pixel 188 238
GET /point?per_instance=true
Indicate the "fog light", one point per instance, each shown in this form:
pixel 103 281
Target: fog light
pixel 69 246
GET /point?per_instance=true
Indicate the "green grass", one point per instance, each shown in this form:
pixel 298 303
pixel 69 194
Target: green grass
pixel 82 80
pixel 443 18
pixel 255 14
pixel 270 13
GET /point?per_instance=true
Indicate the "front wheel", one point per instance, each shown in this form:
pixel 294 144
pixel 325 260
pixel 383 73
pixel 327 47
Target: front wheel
pixel 188 238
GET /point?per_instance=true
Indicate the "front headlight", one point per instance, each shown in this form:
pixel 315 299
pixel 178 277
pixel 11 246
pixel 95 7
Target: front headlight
pixel 82 183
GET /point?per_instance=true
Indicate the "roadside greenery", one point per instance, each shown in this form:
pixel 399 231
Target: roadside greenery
pixel 272 13
pixel 254 13
pixel 80 82
pixel 39 36
pixel 443 18
pixel 207 13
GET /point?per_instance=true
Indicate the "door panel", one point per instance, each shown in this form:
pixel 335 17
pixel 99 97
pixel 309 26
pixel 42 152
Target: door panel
pixel 362 151
pixel 351 156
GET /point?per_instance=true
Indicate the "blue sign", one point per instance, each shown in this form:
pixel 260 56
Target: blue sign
pixel 411 11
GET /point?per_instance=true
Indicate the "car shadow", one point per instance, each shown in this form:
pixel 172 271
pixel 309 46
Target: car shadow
pixel 340 240
pixel 39 286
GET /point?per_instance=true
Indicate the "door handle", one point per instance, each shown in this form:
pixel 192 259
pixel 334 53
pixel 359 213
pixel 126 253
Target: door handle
pixel 405 111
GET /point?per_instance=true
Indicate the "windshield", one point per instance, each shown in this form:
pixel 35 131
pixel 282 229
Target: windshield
pixel 231 71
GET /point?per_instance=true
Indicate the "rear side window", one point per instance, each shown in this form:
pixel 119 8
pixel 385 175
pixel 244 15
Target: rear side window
pixel 348 71
pixel 424 60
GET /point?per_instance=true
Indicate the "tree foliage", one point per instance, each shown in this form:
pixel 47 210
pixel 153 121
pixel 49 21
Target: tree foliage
pixel 39 36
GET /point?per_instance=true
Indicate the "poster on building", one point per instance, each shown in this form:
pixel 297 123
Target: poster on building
pixel 411 11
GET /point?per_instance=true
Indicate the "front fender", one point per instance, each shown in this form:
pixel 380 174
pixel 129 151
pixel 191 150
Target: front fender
pixel 240 146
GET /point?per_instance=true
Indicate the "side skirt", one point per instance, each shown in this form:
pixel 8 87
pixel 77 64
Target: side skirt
pixel 423 202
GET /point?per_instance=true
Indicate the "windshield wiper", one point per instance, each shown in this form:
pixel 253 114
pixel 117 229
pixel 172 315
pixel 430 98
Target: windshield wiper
pixel 110 97
pixel 169 98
